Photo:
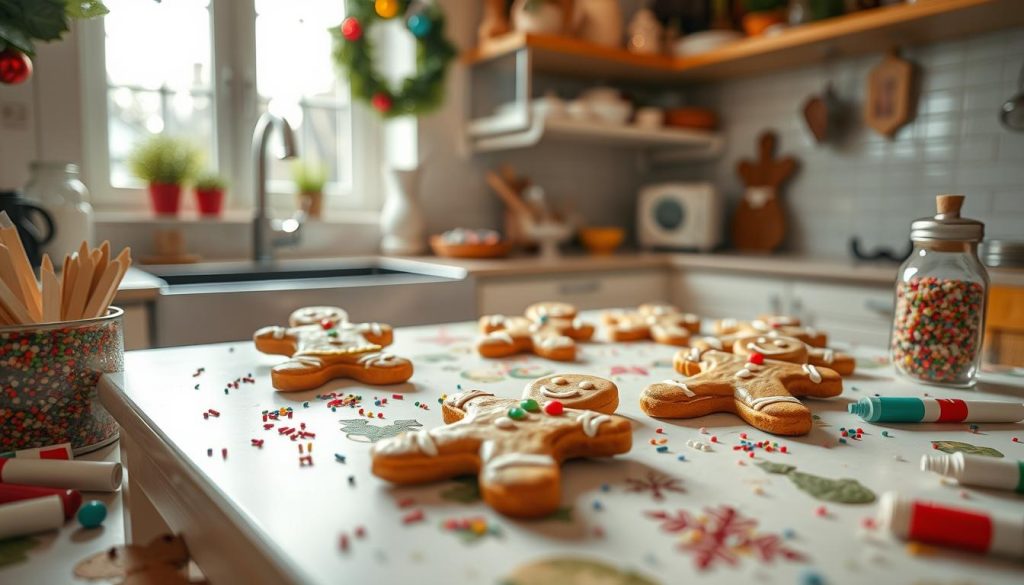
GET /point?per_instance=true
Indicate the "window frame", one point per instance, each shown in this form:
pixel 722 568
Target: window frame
pixel 235 111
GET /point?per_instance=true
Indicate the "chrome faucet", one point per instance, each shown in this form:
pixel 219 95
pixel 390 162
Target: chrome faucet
pixel 271 233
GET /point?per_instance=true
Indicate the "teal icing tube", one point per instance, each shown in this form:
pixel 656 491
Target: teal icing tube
pixel 895 409
pixel 943 410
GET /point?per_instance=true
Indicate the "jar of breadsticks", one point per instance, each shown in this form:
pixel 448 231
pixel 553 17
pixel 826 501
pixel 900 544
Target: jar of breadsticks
pixel 941 291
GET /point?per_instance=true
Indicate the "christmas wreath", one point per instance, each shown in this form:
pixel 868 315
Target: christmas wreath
pixel 353 51
pixel 23 22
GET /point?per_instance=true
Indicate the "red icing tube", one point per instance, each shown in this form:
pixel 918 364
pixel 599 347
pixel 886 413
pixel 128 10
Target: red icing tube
pixel 975 530
pixel 70 500
pixel 952 410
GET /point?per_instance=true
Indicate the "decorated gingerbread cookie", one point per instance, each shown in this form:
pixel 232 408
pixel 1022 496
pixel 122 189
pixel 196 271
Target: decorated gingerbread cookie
pixel 789 349
pixel 662 323
pixel 780 324
pixel 578 391
pixel 515 446
pixel 760 391
pixel 326 349
pixel 549 330
pixel 335 319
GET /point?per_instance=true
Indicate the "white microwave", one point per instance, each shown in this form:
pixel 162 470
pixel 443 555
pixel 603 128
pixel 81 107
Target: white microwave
pixel 679 216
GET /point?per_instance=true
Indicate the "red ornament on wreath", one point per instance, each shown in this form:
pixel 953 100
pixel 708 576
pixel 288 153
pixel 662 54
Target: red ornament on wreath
pixel 15 67
pixel 351 29
pixel 381 102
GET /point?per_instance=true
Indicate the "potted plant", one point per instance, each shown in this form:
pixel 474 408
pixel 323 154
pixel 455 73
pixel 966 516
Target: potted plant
pixel 310 178
pixel 762 14
pixel 165 163
pixel 209 188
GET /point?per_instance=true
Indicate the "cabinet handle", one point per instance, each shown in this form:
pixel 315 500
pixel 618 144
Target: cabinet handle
pixel 579 288
pixel 880 307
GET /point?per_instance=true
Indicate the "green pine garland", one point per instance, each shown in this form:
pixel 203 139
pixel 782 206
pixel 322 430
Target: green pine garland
pixel 416 95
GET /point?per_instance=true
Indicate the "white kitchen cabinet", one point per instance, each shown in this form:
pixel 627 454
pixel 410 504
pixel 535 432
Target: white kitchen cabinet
pixel 586 290
pixel 719 295
pixel 857 313
pixel 136 327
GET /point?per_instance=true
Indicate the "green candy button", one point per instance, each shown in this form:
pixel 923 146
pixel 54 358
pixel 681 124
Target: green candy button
pixel 530 405
pixel 516 413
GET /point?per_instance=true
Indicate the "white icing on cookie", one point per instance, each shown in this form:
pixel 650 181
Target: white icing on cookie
pixel 495 320
pixel 812 373
pixel 828 355
pixel 545 391
pixel 587 385
pixel 713 342
pixel 760 402
pixel 374 328
pixel 278 332
pixel 408 442
pixel 516 460
pixel 686 389
pixel 744 373
pixel 590 421
pixel 496 337
pixel 461 399
pixel 556 341
pixel 559 380
pixel 505 423
pixel 694 354
pixel 380 360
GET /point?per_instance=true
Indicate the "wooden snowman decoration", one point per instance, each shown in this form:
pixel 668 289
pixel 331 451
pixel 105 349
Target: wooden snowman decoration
pixel 759 224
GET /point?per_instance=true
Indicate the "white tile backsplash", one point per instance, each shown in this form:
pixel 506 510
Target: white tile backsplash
pixel 870 186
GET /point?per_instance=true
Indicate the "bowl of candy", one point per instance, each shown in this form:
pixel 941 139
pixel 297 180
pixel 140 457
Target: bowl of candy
pixel 470 243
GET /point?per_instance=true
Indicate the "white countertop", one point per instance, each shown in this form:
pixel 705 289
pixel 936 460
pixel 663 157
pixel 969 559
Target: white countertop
pixel 297 514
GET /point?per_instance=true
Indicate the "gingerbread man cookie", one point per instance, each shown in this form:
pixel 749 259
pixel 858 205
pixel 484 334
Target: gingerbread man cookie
pixel 662 323
pixel 515 446
pixel 789 349
pixel 578 391
pixel 327 350
pixel 335 318
pixel 760 391
pixel 781 324
pixel 549 330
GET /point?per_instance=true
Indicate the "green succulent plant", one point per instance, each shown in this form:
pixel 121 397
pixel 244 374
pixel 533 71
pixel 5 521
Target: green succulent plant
pixel 309 176
pixel 210 181
pixel 165 160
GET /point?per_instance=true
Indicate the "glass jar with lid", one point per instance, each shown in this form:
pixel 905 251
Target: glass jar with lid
pixel 57 188
pixel 941 291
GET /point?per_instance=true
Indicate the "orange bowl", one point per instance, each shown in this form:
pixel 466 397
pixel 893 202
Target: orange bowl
pixel 445 250
pixel 602 240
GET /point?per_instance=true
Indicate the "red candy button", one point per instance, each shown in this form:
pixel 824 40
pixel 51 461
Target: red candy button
pixel 756 358
pixel 326 323
pixel 554 408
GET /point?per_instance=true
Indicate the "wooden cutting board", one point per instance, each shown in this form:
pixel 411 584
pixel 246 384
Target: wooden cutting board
pixel 759 224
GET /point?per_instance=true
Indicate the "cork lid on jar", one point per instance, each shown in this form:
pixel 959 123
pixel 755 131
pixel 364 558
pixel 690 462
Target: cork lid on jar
pixel 947 225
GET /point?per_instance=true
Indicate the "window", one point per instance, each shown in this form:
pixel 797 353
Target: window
pixel 144 75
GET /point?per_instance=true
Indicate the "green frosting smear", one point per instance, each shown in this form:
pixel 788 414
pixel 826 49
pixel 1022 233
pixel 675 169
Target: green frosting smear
pixel 843 491
pixel 954 446
pixel 15 550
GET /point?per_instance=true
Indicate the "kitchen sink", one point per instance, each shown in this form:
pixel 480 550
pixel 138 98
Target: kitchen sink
pixel 227 301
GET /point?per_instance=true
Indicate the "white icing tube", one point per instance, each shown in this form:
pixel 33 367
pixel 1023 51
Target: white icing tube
pixel 31 516
pixel 976 470
pixel 91 476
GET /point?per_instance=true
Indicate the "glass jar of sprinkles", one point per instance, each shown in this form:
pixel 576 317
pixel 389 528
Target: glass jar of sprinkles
pixel 48 376
pixel 941 291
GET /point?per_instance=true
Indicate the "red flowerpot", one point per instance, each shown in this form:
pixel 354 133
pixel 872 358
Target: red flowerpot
pixel 211 201
pixel 165 198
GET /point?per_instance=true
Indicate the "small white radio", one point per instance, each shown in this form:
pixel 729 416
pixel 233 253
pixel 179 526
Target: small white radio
pixel 679 216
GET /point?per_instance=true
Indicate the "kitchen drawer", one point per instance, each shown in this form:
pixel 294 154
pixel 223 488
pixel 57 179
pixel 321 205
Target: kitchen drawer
pixel 859 314
pixel 585 290
pixel 718 295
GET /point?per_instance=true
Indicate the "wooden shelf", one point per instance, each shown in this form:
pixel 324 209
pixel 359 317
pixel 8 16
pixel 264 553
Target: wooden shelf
pixel 684 144
pixel 875 30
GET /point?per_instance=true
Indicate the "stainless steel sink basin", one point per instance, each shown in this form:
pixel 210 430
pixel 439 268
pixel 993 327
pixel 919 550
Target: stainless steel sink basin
pixel 227 301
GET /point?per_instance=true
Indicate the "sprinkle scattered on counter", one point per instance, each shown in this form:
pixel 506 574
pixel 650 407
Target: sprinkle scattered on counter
pixel 470 529
pixel 339 457
pixel 413 517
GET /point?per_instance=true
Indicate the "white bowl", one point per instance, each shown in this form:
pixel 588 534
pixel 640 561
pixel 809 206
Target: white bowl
pixel 612 112
pixel 704 41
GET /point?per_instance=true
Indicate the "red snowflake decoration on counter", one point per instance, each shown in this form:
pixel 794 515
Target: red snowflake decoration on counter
pixel 656 484
pixel 723 535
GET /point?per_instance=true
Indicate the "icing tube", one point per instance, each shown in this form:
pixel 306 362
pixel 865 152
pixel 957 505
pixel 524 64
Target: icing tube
pixel 70 499
pixel 92 476
pixel 31 516
pixel 976 470
pixel 963 528
pixel 907 409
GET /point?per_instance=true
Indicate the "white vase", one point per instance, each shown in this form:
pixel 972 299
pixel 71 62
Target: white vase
pixel 403 229
pixel 599 21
